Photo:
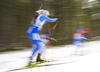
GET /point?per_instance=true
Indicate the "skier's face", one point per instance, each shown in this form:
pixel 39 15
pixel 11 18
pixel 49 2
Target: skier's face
pixel 47 15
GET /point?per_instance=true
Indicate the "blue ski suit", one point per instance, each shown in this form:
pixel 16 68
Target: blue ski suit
pixel 34 36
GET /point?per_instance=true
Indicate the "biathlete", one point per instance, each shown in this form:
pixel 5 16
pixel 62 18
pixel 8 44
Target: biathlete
pixel 33 33
pixel 78 39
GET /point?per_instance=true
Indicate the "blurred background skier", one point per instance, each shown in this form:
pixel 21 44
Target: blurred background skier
pixel 77 42
pixel 33 33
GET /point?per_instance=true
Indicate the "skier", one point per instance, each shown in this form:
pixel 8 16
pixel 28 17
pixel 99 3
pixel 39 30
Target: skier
pixel 78 37
pixel 33 34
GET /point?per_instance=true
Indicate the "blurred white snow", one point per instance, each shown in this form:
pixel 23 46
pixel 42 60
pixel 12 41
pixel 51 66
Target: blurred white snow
pixel 66 61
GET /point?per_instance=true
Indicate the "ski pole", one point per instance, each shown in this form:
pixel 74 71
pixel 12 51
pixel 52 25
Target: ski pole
pixel 54 27
pixel 52 52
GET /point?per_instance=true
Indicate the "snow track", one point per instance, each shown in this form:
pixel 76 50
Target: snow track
pixel 64 57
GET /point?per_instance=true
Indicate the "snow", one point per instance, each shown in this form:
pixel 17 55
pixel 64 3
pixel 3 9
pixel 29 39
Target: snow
pixel 66 61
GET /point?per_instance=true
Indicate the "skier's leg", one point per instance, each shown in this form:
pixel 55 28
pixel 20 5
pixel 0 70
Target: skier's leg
pixel 34 50
pixel 35 41
pixel 42 46
pixel 78 48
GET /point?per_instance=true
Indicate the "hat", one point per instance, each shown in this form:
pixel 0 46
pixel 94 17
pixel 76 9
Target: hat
pixel 79 30
pixel 40 11
pixel 45 12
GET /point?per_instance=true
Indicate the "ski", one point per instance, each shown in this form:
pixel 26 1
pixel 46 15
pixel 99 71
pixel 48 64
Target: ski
pixel 40 62
pixel 26 67
pixel 33 64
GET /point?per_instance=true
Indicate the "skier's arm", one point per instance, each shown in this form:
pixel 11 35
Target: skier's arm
pixel 82 37
pixel 48 38
pixel 43 17
pixel 45 37
pixel 51 39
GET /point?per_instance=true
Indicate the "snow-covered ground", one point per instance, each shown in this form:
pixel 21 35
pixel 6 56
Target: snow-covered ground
pixel 65 60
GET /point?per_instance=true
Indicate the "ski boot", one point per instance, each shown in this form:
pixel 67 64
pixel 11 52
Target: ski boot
pixel 39 60
pixel 30 61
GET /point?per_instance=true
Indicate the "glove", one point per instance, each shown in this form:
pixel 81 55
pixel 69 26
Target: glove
pixel 58 19
pixel 54 39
